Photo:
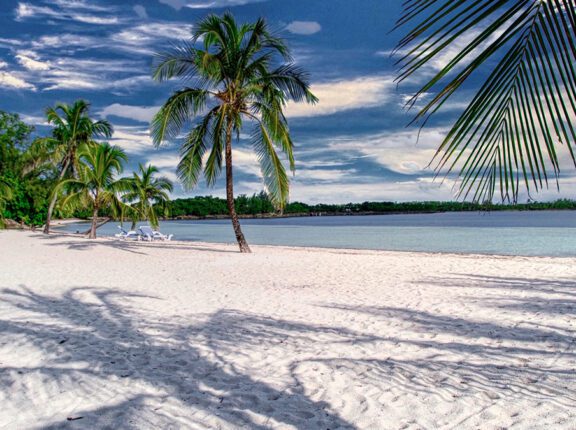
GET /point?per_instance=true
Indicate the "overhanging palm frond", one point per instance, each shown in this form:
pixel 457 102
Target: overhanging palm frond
pixel 510 132
pixel 275 178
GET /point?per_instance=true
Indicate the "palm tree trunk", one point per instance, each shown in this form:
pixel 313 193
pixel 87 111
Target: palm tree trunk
pixel 230 194
pixel 54 199
pixel 94 223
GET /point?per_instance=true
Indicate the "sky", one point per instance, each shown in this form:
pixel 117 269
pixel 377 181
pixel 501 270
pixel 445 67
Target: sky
pixel 353 146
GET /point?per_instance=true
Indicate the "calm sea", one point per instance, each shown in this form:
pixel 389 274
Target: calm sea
pixel 543 233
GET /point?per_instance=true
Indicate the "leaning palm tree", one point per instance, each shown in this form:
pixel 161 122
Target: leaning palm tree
pixel 511 130
pixel 237 74
pixel 95 186
pixel 73 128
pixel 145 193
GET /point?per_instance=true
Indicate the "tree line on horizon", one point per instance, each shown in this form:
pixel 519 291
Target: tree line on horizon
pixel 259 205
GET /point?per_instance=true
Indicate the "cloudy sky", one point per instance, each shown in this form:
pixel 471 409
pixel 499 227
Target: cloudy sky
pixel 352 146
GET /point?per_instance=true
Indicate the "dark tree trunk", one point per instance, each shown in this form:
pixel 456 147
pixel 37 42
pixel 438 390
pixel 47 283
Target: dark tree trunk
pixel 54 199
pixel 94 223
pixel 106 220
pixel 230 194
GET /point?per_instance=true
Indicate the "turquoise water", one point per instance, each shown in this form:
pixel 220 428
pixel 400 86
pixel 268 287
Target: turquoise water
pixel 545 233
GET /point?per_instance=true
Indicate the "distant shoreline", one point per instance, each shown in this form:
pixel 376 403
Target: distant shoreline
pixel 62 222
pixel 343 214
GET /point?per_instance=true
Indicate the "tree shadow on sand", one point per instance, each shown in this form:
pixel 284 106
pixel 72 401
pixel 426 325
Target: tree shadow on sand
pixel 94 341
pixel 159 372
pixel 80 243
pixel 527 358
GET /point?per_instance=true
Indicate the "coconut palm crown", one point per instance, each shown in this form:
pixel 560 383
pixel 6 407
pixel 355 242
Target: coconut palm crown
pixel 96 186
pixel 234 74
pixel 145 192
pixel 72 128
pixel 510 133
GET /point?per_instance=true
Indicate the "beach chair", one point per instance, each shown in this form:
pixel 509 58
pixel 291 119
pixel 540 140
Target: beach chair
pixel 146 233
pixel 151 235
pixel 124 234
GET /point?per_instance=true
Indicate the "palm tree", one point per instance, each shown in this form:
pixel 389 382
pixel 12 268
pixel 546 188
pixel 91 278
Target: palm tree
pixel 73 127
pixel 237 75
pixel 146 192
pixel 95 186
pixel 511 130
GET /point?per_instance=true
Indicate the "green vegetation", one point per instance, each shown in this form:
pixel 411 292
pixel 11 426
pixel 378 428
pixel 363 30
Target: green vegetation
pixel 146 193
pixel 26 181
pixel 72 128
pixel 243 73
pixel 511 131
pixel 259 205
pixel 95 186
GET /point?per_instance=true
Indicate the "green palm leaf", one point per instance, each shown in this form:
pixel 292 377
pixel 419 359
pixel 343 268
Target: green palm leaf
pixel 509 134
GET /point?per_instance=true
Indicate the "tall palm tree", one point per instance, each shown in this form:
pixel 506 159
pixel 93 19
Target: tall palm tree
pixel 511 130
pixel 96 185
pixel 73 127
pixel 239 73
pixel 145 192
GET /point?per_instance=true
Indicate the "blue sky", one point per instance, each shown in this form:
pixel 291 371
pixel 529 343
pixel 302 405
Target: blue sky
pixel 353 146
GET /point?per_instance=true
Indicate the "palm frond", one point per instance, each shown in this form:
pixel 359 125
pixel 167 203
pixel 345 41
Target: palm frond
pixel 275 177
pixel 176 112
pixel 510 132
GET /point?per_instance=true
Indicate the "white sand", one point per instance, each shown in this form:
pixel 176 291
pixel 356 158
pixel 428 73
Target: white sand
pixel 172 335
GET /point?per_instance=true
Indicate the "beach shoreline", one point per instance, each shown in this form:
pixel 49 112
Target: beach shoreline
pixel 197 335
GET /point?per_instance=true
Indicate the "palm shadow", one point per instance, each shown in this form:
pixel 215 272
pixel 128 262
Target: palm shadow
pixel 80 243
pixel 90 326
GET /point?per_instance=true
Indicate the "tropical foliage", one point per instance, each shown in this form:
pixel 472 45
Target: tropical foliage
pixel 5 195
pixel 95 185
pixel 239 74
pixel 511 131
pixel 146 194
pixel 27 179
pixel 72 129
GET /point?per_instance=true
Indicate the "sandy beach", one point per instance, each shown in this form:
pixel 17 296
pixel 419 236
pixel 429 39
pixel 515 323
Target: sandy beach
pixel 107 334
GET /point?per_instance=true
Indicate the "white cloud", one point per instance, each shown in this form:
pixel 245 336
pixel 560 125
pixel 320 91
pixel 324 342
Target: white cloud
pixel 337 96
pixel 11 80
pixel 30 61
pixel 136 113
pixel 67 12
pixel 140 38
pixel 164 161
pixel 324 175
pixel 348 191
pixel 304 27
pixel 65 79
pixel 197 4
pixel 98 20
pixel 140 11
pixel 3 64
pixel 135 140
pixel 399 151
pixel 82 5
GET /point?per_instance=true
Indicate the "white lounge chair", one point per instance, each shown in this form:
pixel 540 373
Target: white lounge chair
pixel 126 234
pixel 149 234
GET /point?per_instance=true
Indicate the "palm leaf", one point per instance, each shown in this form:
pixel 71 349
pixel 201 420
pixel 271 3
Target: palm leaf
pixel 510 132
